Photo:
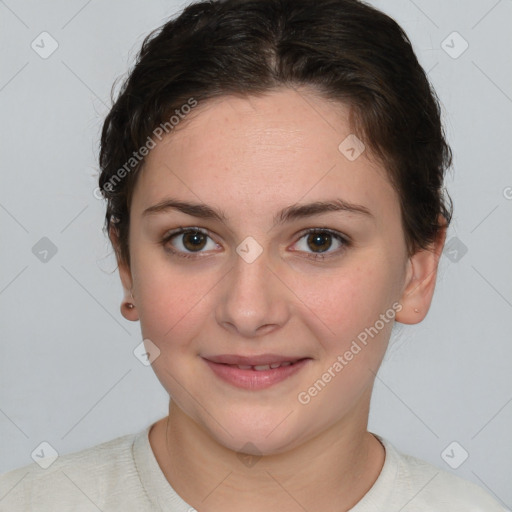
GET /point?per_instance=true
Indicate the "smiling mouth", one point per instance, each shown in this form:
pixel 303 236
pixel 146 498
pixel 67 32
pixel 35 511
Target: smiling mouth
pixel 235 370
pixel 263 367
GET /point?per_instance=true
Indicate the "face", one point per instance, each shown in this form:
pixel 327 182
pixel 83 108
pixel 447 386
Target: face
pixel 259 284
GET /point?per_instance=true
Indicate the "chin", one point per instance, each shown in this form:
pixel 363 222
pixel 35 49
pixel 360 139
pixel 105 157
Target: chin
pixel 255 434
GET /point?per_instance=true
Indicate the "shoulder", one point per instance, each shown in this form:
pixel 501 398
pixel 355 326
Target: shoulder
pixel 420 487
pixel 81 481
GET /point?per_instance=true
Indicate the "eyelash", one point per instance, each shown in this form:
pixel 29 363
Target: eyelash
pixel 313 256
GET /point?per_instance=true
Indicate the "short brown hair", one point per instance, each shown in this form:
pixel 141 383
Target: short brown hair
pixel 344 49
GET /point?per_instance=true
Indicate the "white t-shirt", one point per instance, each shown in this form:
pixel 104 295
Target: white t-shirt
pixel 123 475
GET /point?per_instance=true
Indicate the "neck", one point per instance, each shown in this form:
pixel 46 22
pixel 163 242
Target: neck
pixel 342 463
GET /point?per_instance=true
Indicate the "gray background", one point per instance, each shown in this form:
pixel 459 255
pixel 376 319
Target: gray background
pixel 67 372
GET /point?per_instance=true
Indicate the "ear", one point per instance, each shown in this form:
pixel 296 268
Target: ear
pixel 126 280
pixel 421 280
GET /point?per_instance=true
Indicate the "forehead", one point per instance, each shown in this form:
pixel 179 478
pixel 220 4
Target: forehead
pixel 258 154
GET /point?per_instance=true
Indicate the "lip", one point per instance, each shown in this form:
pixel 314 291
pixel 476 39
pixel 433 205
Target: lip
pixel 251 360
pixel 256 379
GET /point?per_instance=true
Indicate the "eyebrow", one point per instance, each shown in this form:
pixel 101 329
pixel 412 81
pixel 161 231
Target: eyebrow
pixel 288 214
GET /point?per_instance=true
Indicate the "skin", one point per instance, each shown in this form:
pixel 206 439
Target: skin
pixel 251 157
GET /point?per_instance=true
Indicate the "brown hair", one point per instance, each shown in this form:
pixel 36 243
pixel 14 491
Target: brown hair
pixel 344 49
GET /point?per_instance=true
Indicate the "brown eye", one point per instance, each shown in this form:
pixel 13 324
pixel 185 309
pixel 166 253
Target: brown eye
pixel 194 240
pixel 187 242
pixel 318 242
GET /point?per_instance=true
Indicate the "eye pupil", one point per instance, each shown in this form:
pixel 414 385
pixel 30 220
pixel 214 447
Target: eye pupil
pixel 317 238
pixel 198 240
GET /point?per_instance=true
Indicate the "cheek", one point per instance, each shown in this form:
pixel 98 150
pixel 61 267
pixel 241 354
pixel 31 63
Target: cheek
pixel 169 301
pixel 355 310
pixel 348 298
pixel 355 343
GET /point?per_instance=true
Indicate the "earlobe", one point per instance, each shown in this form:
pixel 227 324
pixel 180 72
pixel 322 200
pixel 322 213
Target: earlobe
pixel 420 282
pixel 128 307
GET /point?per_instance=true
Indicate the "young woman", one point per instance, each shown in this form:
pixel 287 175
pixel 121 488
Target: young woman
pixel 274 176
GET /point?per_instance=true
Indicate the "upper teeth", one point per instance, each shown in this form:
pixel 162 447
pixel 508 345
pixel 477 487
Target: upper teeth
pixel 261 367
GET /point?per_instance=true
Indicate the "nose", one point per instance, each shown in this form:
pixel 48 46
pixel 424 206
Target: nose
pixel 253 301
